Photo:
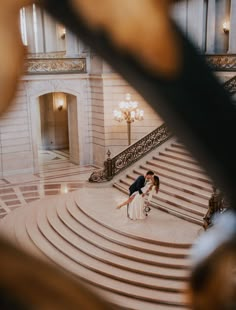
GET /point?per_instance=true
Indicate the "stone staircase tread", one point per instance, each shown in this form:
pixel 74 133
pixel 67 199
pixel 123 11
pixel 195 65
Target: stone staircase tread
pixel 187 206
pixel 193 199
pixel 116 254
pixel 188 189
pixel 111 221
pixel 161 171
pixel 161 205
pixel 130 303
pixel 130 253
pixel 179 163
pixel 177 150
pixel 185 158
pixel 62 253
pixel 178 193
pixel 122 239
pixel 23 238
pixel 180 171
pixel 104 261
pixel 178 145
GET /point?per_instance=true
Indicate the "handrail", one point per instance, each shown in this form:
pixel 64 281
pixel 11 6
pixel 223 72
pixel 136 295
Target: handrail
pixel 134 152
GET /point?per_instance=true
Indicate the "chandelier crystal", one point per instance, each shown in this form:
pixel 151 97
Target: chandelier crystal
pixel 128 111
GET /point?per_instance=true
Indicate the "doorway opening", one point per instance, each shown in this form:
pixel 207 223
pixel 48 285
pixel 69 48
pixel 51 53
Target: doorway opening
pixel 52 131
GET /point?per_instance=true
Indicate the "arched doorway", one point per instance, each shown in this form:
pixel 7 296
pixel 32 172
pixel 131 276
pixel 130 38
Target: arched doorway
pixel 57 127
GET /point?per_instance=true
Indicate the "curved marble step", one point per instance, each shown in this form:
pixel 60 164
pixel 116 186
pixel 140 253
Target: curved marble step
pixel 129 253
pixel 109 221
pixel 105 262
pixel 121 239
pixel 126 302
pixel 22 237
pixel 118 258
pixel 56 247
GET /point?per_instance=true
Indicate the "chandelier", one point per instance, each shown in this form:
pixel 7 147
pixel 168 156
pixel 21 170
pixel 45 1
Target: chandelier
pixel 128 111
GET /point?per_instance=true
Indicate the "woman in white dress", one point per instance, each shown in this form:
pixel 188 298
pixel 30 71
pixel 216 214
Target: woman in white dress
pixel 137 201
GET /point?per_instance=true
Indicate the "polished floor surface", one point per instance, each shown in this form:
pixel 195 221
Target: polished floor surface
pixel 56 176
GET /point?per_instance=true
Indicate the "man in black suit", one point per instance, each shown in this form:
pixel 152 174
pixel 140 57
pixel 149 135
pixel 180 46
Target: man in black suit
pixel 140 182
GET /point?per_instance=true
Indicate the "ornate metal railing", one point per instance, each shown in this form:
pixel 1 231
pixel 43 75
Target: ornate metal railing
pixel 136 151
pixel 222 62
pixel 230 85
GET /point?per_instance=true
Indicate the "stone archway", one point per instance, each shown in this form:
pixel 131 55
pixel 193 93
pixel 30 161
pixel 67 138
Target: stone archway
pixel 78 118
pixel 57 124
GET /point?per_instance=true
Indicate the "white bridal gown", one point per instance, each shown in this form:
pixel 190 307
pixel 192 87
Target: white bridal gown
pixel 136 206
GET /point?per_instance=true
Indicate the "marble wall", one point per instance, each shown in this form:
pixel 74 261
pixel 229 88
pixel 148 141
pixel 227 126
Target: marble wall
pixel 202 21
pixel 92 129
pixel 15 137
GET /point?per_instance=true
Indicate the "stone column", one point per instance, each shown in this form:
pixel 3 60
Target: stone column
pixel 50 35
pixel 211 25
pixel 30 29
pixel 232 31
pixel 40 30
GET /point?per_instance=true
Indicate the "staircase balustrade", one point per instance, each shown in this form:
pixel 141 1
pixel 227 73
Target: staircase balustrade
pixel 134 152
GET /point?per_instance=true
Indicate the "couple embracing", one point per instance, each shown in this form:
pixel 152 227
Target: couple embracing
pixel 142 188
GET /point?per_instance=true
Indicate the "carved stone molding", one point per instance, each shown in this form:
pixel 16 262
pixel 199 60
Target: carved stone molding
pixel 55 65
pixel 46 55
pixel 222 62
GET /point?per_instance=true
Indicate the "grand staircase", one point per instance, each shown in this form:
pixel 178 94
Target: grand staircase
pixel 133 264
pixel 184 187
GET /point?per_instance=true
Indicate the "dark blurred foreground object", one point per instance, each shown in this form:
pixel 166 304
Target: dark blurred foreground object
pixel 28 283
pixel 213 279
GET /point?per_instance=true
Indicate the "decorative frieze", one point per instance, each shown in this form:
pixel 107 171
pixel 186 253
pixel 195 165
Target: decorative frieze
pixel 222 62
pixel 55 65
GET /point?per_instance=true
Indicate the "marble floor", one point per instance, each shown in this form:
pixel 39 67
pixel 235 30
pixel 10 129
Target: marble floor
pixel 56 176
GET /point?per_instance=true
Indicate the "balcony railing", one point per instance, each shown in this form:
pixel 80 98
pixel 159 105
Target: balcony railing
pixel 54 63
pixel 222 62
